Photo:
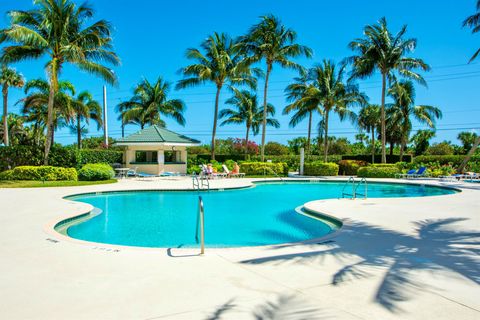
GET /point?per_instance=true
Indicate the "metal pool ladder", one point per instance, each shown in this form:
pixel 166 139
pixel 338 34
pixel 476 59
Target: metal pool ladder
pixel 355 185
pixel 200 225
pixel 201 183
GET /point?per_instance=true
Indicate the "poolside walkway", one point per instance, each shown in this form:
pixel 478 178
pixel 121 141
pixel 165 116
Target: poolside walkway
pixel 393 259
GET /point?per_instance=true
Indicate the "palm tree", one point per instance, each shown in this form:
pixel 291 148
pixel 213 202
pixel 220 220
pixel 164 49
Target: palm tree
pixel 403 108
pixel 304 102
pixel 473 22
pixel 421 141
pixel 59 29
pixel 219 64
pixel 35 105
pixel 85 108
pixel 369 120
pixel 384 52
pixel 15 128
pixel 333 94
pixel 248 112
pixel 8 78
pixel 273 42
pixel 149 102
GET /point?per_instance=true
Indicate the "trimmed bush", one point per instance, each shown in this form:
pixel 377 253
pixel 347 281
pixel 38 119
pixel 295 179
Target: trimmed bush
pixel 319 168
pixel 378 158
pixel 350 167
pixel 260 168
pixel 40 173
pixel 96 172
pixel 379 171
pixel 455 160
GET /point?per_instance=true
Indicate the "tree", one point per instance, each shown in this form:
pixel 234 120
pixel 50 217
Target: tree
pixel 334 95
pixel 35 105
pixel 304 102
pixel 17 132
pixel 440 149
pixel 59 29
pixel 8 78
pixel 467 139
pixel 149 102
pixel 220 63
pixel 473 22
pixel 85 108
pixel 421 141
pixel 403 109
pixel 271 41
pixel 276 149
pixel 369 120
pixel 296 144
pixel 380 50
pixel 248 112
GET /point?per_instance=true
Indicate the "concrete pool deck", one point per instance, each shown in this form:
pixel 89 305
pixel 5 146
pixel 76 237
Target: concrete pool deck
pixel 401 258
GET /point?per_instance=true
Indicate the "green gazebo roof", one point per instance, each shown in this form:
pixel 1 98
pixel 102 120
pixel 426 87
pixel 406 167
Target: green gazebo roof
pixel 156 134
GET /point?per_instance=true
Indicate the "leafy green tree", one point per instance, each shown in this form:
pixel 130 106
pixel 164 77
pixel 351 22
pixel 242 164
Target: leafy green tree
pixel 149 102
pixel 473 22
pixel 85 108
pixel 17 132
pixel 369 120
pixel 304 102
pixel 440 149
pixel 380 50
pixel 271 41
pixel 59 29
pixel 219 63
pixel 403 109
pixel 296 144
pixel 276 149
pixel 9 78
pixel 467 139
pixel 421 141
pixel 247 111
pixel 334 95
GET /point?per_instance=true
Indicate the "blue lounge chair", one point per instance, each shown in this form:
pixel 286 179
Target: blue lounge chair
pixel 422 172
pixel 405 175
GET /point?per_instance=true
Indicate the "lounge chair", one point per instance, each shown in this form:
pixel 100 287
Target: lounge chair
pixel 132 172
pixel 231 174
pixel 405 175
pixel 143 175
pixel 211 175
pixel 421 173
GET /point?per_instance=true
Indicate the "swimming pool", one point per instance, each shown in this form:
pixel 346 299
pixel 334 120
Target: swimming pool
pixel 262 215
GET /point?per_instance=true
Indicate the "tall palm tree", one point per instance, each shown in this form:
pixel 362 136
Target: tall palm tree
pixel 403 108
pixel 85 108
pixel 271 41
pixel 8 78
pixel 380 50
pixel 59 29
pixel 334 94
pixel 35 105
pixel 304 102
pixel 149 102
pixel 248 112
pixel 219 63
pixel 473 22
pixel 369 120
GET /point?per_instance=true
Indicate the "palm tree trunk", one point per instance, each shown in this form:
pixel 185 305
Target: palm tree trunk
pixel 50 111
pixel 5 114
pixel 461 168
pixel 373 144
pixel 79 133
pixel 382 111
pixel 403 144
pixel 309 131
pixel 215 118
pixel 264 122
pixel 123 129
pixel 246 142
pixel 325 143
pixel 392 145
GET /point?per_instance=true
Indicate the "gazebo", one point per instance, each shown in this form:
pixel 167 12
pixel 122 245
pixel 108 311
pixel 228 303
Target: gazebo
pixel 156 150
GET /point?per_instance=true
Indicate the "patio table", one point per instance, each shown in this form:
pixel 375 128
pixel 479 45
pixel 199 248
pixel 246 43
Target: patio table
pixel 122 172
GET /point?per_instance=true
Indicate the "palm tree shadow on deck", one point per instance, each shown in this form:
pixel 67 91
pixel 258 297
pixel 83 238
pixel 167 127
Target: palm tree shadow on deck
pixel 435 246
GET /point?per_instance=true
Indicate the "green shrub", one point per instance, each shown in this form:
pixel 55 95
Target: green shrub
pixel 40 173
pixel 350 167
pixel 378 171
pixel 455 160
pixel 378 158
pixel 275 148
pixel 319 168
pixel 260 168
pixel 96 172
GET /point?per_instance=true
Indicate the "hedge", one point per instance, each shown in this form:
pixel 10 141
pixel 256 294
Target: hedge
pixel 378 158
pixel 378 171
pixel 350 167
pixel 96 172
pixel 260 168
pixel 455 160
pixel 319 168
pixel 14 156
pixel 40 173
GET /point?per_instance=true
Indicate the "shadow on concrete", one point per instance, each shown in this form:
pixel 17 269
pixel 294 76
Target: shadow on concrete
pixel 436 245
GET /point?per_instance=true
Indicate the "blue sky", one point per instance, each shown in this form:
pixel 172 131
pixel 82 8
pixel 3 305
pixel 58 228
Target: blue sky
pixel 151 38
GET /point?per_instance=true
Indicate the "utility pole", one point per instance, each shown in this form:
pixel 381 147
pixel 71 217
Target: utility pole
pixel 105 124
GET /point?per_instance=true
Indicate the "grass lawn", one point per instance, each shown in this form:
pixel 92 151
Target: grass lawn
pixel 40 184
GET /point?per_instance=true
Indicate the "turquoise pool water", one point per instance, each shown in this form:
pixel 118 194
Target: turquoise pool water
pixel 264 214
